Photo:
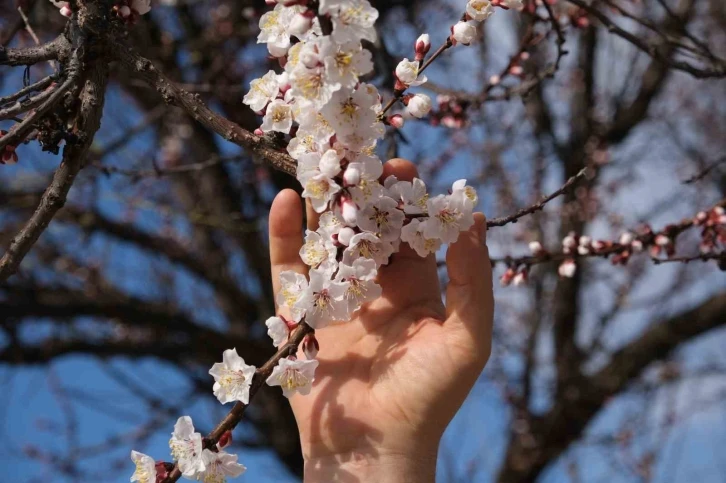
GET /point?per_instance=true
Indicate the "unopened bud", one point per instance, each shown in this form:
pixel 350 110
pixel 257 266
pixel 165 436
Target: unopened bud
pixel 225 440
pixel 349 212
pixel 536 248
pixel 310 346
pixel 396 121
pixel 345 235
pixel 507 276
pixel 300 24
pixel 351 177
pixel 567 269
pixel 422 46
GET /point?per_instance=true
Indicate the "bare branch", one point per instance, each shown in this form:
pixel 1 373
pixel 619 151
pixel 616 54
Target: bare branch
pixel 230 131
pixel 74 157
pixel 539 205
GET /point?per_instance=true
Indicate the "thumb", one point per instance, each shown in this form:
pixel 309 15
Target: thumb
pixel 469 297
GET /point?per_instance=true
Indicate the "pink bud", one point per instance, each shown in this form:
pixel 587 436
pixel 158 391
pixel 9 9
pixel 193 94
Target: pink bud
pixel 626 238
pixel 259 132
pixel 494 80
pixel 422 46
pixel 637 246
pixel 507 276
pixel 225 440
pixel 310 346
pixel 396 121
pixel 66 10
pixel 662 240
pixel 520 278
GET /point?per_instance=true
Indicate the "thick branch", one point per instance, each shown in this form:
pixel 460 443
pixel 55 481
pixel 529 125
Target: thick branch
pixel 74 156
pixel 56 49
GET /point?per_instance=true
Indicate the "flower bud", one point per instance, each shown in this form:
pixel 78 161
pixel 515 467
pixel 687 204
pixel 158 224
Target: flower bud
pixel 419 105
pixel 310 346
pixel 349 212
pixel 536 248
pixel 464 32
pixel 276 51
pixel 351 177
pixel 626 238
pixel 520 278
pixel 259 132
pixel 300 24
pixel 507 277
pixel 345 234
pixel 225 440
pixel 330 163
pixel 422 46
pixel 567 269
pixel 396 121
pixel 66 11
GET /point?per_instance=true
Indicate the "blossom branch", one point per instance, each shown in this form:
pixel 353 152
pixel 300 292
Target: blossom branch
pixel 574 247
pixel 539 205
pixel 234 417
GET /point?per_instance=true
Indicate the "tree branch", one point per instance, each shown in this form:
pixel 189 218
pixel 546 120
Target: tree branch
pixel 74 156
pixel 191 103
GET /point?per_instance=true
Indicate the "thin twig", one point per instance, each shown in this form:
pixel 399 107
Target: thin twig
pixel 539 205
pixel 704 172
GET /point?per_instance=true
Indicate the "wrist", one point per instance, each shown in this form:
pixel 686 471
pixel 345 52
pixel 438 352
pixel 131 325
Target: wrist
pixel 374 466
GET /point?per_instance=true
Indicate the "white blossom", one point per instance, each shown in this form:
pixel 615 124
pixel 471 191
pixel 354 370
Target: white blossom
pixel 145 468
pixel 293 286
pixel 413 234
pixel 293 376
pixel 278 117
pixel 367 245
pixel 262 91
pixel 219 466
pixel 419 105
pixel 232 378
pixel 407 73
pixel 448 215
pixel 536 248
pixel 275 28
pixel 479 10
pixel 354 21
pixel 350 112
pixel 464 32
pixel 360 277
pixel 345 63
pixel 324 300
pixel 383 218
pixel 412 194
pixel 277 330
pixel 329 225
pixel 316 249
pixel 319 189
pixel 186 447
pixel 465 193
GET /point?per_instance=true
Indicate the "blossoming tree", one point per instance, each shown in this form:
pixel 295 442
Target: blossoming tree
pixel 321 116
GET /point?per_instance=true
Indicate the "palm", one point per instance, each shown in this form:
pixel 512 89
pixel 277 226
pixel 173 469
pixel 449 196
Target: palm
pixel 390 370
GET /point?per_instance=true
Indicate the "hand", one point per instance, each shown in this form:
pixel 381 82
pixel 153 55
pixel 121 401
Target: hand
pixel 392 378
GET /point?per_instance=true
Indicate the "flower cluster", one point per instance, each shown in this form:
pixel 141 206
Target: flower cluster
pixel 332 122
pixel 194 460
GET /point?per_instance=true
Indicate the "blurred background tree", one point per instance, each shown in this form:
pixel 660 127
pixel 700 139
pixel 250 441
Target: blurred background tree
pixel 158 260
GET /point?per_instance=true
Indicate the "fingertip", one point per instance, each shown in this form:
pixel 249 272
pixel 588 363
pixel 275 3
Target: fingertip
pixel 402 169
pixel 285 214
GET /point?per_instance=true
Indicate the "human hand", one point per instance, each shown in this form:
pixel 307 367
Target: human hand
pixel 391 379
